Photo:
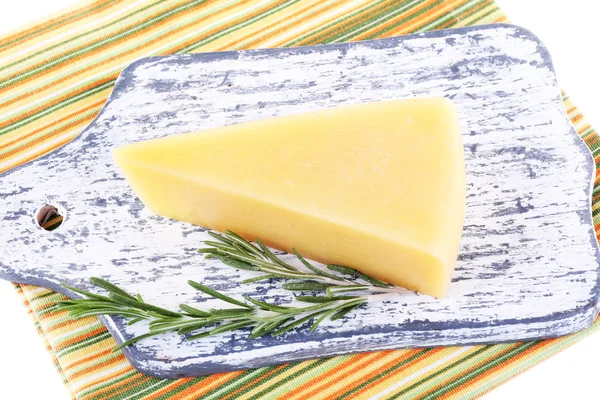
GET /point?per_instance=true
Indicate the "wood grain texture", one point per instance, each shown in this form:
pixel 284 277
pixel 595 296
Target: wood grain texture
pixel 528 265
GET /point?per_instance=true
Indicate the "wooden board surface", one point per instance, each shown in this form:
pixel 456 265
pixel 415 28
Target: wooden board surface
pixel 528 265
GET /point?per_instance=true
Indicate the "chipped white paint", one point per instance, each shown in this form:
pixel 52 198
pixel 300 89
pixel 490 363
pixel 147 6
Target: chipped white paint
pixel 528 266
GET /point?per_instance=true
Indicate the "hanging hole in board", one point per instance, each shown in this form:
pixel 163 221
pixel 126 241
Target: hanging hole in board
pixel 49 218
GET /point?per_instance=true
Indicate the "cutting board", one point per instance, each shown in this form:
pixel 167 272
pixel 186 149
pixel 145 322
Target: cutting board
pixel 528 264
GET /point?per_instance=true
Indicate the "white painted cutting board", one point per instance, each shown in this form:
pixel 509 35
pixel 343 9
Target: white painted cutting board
pixel 528 265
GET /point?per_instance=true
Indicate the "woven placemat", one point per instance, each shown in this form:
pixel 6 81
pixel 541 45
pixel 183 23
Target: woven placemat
pixel 58 73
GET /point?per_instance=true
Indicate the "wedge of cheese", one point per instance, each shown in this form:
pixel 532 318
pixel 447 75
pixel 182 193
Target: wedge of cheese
pixel 378 187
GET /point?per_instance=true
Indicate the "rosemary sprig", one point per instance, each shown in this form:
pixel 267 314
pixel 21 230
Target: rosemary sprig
pixel 264 317
pixel 261 317
pixel 237 252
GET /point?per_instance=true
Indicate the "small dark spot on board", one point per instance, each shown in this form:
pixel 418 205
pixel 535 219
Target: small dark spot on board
pixel 460 278
pixel 99 202
pixel 118 261
pixel 14 215
pixel 523 208
pixel 506 264
pixel 515 150
pixel 15 192
pixel 473 147
pixel 230 85
pixel 518 209
pixel 543 155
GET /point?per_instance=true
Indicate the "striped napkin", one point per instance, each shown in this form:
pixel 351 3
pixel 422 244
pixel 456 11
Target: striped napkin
pixel 57 75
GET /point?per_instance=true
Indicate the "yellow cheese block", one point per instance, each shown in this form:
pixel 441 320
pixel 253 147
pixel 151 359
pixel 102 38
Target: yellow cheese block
pixel 379 187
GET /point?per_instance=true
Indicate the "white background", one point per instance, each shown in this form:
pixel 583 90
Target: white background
pixel 569 30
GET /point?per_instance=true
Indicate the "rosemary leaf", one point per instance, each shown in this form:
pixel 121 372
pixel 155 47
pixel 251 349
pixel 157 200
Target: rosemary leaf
pixel 357 274
pixel 110 287
pixel 308 285
pixel 208 251
pixel 340 313
pixel 215 294
pixel 87 303
pixel 335 310
pixel 194 327
pixel 373 281
pixel 297 310
pixel 258 330
pixel 223 328
pixel 231 327
pixel 143 306
pixel 181 324
pixel 164 321
pixel 266 306
pixel 194 312
pixel 87 294
pixel 321 318
pixel 235 263
pixel 331 290
pixel 260 278
pixel 98 312
pixel 242 250
pixel 220 246
pixel 343 270
pixel 168 325
pixel 295 323
pixel 263 265
pixel 234 237
pixel 220 238
pixel 231 312
pixel 276 270
pixel 269 254
pixel 315 269
pixel 267 328
pixel 323 299
pixel 199 336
